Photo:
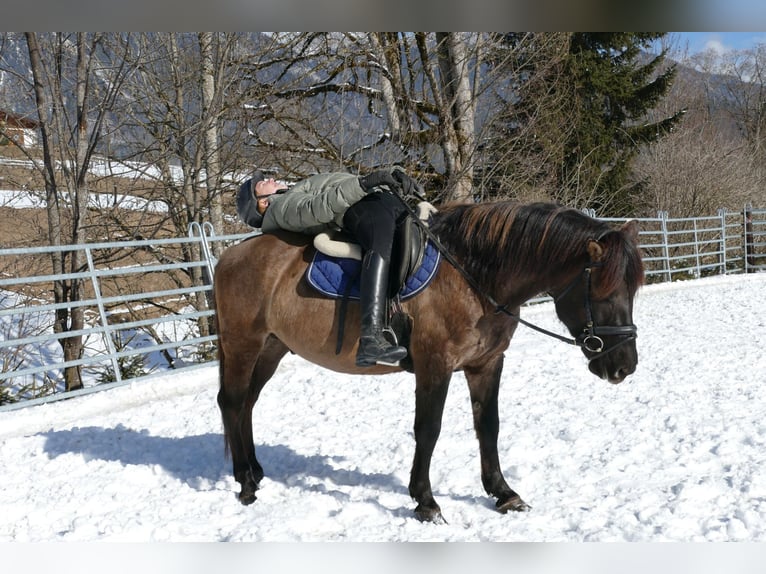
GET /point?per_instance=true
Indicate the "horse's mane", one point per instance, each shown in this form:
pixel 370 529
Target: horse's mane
pixel 503 238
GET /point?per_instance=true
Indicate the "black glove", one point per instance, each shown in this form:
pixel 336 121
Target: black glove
pixel 382 177
pixel 408 186
pixel 395 179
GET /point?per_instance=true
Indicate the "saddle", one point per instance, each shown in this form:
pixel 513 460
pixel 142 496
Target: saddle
pixel 413 260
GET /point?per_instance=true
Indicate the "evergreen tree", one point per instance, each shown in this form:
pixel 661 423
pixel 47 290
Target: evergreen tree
pixel 614 86
pixel 573 116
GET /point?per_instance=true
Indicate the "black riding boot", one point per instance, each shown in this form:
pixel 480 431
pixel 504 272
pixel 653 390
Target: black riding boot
pixel 374 349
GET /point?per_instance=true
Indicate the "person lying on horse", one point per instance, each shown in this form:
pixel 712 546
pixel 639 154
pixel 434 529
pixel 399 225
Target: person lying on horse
pixel 359 206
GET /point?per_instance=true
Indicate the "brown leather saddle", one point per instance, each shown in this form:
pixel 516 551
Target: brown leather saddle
pixel 407 253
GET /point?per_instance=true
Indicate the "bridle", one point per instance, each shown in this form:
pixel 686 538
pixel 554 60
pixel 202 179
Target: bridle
pixel 590 338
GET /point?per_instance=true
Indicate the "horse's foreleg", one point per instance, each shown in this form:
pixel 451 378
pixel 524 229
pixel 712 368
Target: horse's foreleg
pixel 430 395
pixel 484 385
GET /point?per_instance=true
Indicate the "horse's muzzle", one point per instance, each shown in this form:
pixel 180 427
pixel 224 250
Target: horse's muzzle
pixel 615 362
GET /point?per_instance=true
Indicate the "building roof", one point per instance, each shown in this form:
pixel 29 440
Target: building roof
pixel 12 120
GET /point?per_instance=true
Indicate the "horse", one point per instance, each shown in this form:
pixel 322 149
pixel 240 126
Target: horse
pixel 500 251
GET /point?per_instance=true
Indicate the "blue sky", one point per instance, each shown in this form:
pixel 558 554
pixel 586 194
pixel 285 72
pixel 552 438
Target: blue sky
pixel 721 41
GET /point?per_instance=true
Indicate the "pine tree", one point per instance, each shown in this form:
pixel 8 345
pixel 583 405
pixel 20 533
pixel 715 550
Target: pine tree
pixel 573 116
pixel 614 85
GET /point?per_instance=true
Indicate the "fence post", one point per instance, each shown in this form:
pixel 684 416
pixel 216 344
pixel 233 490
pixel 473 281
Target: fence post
pixel 747 235
pixel 697 271
pixel 102 314
pixel 722 215
pixel 663 217
pixel 205 231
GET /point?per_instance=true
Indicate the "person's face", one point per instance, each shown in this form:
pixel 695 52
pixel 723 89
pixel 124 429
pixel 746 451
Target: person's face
pixel 264 189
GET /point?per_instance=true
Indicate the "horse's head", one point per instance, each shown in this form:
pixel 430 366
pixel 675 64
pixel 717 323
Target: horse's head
pixel 597 304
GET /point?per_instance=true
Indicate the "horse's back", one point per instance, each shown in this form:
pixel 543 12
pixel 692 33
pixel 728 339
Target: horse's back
pixel 260 291
pixel 258 257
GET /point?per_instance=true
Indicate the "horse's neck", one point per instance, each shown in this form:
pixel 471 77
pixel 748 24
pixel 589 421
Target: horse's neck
pixel 524 285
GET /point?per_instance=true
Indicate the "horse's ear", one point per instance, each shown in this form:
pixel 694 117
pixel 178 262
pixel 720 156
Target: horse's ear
pixel 595 250
pixel 630 229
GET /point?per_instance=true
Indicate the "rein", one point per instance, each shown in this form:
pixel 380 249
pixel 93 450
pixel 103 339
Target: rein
pixel 589 339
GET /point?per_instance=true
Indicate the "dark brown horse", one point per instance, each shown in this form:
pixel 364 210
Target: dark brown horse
pixel 505 254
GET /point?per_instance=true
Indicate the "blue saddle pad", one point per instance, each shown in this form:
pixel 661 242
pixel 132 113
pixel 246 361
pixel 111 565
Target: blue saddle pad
pixel 331 275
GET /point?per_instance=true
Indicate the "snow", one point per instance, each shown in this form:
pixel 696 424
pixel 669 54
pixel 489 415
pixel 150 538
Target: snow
pixel 675 453
pixel 20 198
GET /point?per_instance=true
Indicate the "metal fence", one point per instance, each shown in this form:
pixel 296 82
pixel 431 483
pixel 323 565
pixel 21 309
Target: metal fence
pixel 147 303
pixel 146 306
pixel 694 247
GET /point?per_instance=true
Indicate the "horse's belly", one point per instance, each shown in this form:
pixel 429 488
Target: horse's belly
pixel 340 363
pixel 313 335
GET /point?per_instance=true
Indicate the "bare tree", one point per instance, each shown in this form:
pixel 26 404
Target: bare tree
pixel 75 83
pixel 414 94
pixel 454 100
pixel 706 163
pixel 692 172
pixel 312 106
pixel 744 80
pixel 528 119
pixel 212 66
pixel 183 107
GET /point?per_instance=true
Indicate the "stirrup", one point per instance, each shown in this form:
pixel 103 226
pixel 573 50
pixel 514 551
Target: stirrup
pixel 390 336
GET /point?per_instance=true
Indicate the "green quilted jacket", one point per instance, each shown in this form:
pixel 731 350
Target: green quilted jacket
pixel 313 205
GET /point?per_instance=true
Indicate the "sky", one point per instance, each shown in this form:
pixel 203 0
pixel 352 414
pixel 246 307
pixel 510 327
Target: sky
pixel 675 453
pixel 720 41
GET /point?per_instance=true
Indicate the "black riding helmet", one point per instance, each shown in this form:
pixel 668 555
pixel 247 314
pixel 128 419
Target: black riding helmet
pixel 247 205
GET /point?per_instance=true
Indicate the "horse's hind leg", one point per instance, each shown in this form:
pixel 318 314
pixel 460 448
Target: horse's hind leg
pixel 243 376
pixel 235 401
pixel 484 385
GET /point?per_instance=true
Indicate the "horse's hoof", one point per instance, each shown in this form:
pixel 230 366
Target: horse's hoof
pixel 427 514
pixel 514 504
pixel 247 497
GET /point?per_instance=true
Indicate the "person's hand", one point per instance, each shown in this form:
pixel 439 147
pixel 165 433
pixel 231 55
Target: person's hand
pixel 379 178
pixel 407 185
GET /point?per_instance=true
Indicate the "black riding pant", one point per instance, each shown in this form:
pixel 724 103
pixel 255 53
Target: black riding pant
pixel 372 222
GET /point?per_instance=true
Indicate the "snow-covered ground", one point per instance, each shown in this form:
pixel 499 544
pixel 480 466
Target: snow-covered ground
pixel 19 198
pixel 675 453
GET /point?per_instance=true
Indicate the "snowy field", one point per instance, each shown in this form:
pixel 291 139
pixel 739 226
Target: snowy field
pixel 20 199
pixel 675 453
